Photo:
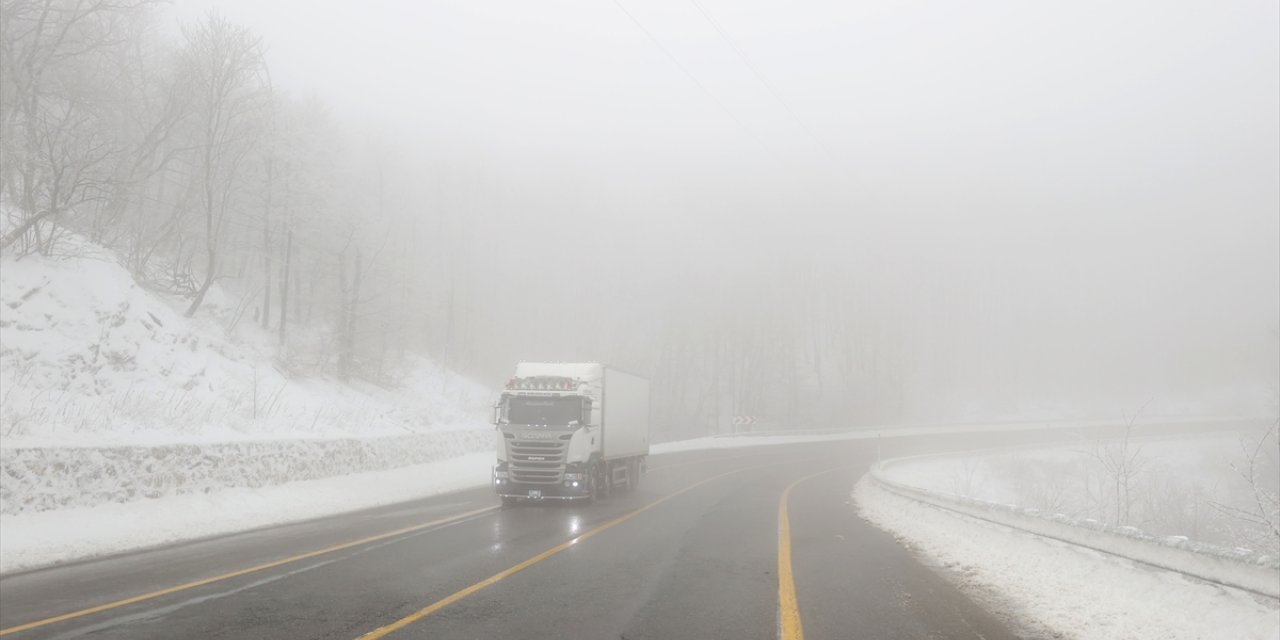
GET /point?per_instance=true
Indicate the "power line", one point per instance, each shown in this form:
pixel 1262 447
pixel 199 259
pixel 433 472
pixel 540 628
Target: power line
pixel 761 77
pixel 694 79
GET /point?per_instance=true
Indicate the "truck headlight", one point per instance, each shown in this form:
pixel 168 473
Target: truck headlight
pixel 573 476
pixel 500 474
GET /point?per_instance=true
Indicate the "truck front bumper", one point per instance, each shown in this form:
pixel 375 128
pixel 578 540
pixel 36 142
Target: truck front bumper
pixel 508 489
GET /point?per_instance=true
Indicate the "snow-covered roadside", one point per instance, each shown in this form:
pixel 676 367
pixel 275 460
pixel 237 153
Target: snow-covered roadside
pixel 32 540
pixel 858 433
pixel 1000 474
pixel 125 424
pixel 39 539
pixel 1180 479
pixel 869 433
pixel 1061 590
pixel 43 538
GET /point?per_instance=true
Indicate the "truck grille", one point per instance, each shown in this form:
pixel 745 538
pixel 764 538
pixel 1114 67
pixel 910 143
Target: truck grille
pixel 536 461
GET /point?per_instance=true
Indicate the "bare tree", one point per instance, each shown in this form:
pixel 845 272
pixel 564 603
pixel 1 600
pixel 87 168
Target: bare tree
pixel 224 64
pixel 1121 461
pixel 968 478
pixel 1257 467
pixel 150 104
pixel 54 151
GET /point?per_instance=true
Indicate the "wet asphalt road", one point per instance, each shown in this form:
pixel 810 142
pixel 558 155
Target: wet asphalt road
pixel 692 554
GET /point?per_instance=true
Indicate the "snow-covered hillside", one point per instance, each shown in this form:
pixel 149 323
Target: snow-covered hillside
pixel 114 408
pixel 89 357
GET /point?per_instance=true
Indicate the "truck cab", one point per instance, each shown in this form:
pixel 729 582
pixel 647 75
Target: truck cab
pixel 569 431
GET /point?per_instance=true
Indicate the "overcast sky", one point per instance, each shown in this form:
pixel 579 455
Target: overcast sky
pixel 1105 171
pixel 1001 113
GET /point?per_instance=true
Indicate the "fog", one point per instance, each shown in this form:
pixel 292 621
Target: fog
pixel 815 213
pixel 998 208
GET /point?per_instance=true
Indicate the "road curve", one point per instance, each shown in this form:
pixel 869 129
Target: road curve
pixel 697 552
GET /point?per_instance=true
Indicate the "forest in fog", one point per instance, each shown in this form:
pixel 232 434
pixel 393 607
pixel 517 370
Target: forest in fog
pixel 864 270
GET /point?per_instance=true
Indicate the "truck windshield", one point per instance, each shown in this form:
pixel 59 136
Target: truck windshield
pixel 558 411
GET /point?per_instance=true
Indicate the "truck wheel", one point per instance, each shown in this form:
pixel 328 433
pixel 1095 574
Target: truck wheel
pixel 508 501
pixel 604 481
pixel 594 492
pixel 633 475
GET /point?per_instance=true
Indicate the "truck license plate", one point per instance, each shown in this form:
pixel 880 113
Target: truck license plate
pixel 535 493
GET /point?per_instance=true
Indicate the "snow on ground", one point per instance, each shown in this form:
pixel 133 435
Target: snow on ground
pixel 88 358
pixel 125 424
pixel 37 539
pixel 1059 590
pixel 868 433
pixel 40 539
pixel 993 475
pixel 859 433
pixel 1179 489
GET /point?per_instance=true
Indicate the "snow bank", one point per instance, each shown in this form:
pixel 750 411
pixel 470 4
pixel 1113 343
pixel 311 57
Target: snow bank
pixel 1189 485
pixel 1233 567
pixel 1062 590
pixel 34 540
pixel 1045 490
pixel 766 438
pixel 1000 474
pixel 757 439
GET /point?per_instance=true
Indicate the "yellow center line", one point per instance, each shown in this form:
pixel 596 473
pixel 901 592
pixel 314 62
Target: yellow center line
pixel 240 572
pixel 497 577
pixel 789 625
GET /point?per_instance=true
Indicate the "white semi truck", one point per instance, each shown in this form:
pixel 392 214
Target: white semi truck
pixel 570 431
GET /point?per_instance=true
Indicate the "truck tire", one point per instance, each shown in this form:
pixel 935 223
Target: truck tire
pixel 594 489
pixel 508 501
pixel 606 480
pixel 633 474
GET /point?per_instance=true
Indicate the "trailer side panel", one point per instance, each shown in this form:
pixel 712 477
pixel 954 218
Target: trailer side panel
pixel 626 415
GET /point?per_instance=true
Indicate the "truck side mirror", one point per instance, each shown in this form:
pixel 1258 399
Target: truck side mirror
pixel 496 418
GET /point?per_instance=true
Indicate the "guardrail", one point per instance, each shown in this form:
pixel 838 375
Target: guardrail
pixel 1240 568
